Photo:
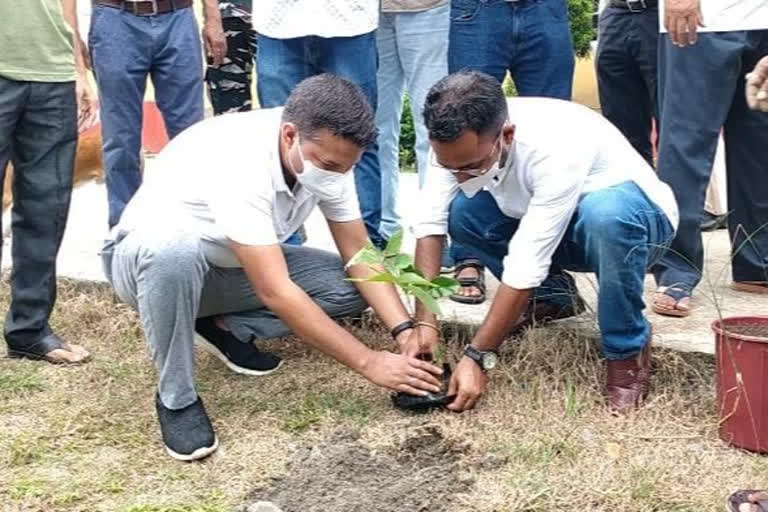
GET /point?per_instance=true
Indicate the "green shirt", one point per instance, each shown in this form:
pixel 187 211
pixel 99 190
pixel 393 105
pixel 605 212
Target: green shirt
pixel 35 42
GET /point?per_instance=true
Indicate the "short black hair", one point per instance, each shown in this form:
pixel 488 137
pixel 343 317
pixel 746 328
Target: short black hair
pixel 466 100
pixel 332 103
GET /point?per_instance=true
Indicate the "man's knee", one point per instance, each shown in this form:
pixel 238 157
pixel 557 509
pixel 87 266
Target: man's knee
pixel 461 223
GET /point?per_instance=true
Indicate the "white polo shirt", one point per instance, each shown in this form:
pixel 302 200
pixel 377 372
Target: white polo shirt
pixel 222 178
pixel 561 152
pixel 728 15
pixel 286 19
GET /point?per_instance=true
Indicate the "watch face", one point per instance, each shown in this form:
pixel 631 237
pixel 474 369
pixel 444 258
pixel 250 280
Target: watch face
pixel 489 360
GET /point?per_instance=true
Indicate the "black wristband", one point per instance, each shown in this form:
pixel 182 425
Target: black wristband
pixel 399 328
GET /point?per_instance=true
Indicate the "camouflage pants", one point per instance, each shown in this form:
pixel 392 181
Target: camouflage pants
pixel 229 85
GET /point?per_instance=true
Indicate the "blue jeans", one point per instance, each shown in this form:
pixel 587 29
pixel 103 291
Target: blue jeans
pixel 413 53
pixel 529 38
pixel 691 118
pixel 283 63
pixel 616 232
pixel 125 50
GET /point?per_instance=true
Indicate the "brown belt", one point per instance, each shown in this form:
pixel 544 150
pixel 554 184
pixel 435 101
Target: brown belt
pixel 145 7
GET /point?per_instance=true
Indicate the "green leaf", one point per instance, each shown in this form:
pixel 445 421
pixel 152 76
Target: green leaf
pixel 446 282
pixel 413 279
pixel 400 261
pixel 429 302
pixel 439 293
pixel 395 243
pixel 368 255
pixel 413 270
pixel 384 277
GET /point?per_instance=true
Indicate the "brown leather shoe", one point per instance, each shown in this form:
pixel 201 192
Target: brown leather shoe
pixel 540 313
pixel 628 381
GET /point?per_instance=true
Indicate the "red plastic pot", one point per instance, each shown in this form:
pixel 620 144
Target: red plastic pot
pixel 742 383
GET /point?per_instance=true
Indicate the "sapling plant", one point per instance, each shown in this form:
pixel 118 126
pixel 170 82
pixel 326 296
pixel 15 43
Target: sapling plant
pixel 389 265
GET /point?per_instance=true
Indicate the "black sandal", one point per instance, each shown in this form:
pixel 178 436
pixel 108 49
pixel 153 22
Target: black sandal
pixel 39 350
pixel 465 282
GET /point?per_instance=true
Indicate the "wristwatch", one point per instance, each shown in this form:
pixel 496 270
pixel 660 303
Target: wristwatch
pixel 485 359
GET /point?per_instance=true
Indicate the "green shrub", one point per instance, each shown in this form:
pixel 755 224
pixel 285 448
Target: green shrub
pixel 407 138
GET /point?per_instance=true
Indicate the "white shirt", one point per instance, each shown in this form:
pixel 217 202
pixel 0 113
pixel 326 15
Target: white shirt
pixel 286 19
pixel 561 152
pixel 222 178
pixel 728 15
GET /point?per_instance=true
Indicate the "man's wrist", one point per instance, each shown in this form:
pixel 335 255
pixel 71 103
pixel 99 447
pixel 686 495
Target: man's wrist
pixel 363 363
pixel 403 336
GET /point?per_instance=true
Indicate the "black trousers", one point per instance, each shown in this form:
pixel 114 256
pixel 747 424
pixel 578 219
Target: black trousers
pixel 38 134
pixel 626 73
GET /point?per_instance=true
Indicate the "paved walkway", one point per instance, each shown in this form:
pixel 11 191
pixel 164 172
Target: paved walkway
pixel 87 227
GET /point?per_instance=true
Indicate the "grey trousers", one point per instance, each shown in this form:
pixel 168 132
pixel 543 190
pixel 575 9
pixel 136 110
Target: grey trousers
pixel 167 279
pixel 38 134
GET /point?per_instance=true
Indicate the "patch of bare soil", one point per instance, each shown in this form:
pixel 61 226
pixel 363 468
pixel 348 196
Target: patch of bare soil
pixel 425 472
pixel 748 329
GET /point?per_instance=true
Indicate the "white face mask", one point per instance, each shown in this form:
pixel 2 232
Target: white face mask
pixel 474 185
pixel 324 185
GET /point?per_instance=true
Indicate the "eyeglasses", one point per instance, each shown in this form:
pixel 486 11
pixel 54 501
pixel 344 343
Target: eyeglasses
pixel 495 151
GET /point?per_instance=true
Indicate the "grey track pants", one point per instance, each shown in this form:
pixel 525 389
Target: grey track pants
pixel 168 280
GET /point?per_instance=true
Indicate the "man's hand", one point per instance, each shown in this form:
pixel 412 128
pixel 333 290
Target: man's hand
pixel 682 18
pixel 420 341
pixel 402 373
pixel 87 102
pixel 757 86
pixel 215 40
pixel 468 384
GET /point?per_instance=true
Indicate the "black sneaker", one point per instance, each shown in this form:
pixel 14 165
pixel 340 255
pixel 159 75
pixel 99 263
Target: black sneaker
pixel 187 433
pixel 242 358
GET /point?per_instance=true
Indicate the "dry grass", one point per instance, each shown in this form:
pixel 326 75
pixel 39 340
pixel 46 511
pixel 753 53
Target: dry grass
pixel 85 438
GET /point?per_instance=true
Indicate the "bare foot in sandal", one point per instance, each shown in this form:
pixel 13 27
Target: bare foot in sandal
pixel 471 277
pixel 748 501
pixel 671 301
pixel 53 350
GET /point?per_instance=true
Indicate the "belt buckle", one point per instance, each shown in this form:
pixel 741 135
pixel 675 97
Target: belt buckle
pixel 135 4
pixel 636 5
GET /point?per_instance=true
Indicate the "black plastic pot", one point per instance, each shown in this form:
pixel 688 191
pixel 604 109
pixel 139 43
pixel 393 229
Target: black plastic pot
pixel 409 402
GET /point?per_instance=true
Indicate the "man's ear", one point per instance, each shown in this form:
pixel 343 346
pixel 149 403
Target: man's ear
pixel 288 133
pixel 508 133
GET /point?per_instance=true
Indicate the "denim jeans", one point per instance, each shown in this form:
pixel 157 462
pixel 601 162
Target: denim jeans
pixel 529 38
pixel 125 50
pixel 413 55
pixel 283 63
pixel 38 134
pixel 616 232
pixel 691 119
pixel 626 65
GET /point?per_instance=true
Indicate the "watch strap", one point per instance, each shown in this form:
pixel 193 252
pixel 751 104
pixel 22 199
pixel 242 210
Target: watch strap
pixel 399 328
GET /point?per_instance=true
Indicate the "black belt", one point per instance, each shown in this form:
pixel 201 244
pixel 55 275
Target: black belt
pixel 145 7
pixel 634 5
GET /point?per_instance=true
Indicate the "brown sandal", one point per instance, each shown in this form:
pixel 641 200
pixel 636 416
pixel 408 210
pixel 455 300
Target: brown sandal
pixel 747 501
pixel 677 294
pixel 751 286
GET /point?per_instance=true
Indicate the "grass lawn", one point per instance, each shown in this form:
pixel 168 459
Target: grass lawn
pixel 86 439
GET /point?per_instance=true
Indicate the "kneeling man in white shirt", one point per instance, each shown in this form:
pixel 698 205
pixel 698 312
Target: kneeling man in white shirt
pixel 200 248
pixel 529 183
